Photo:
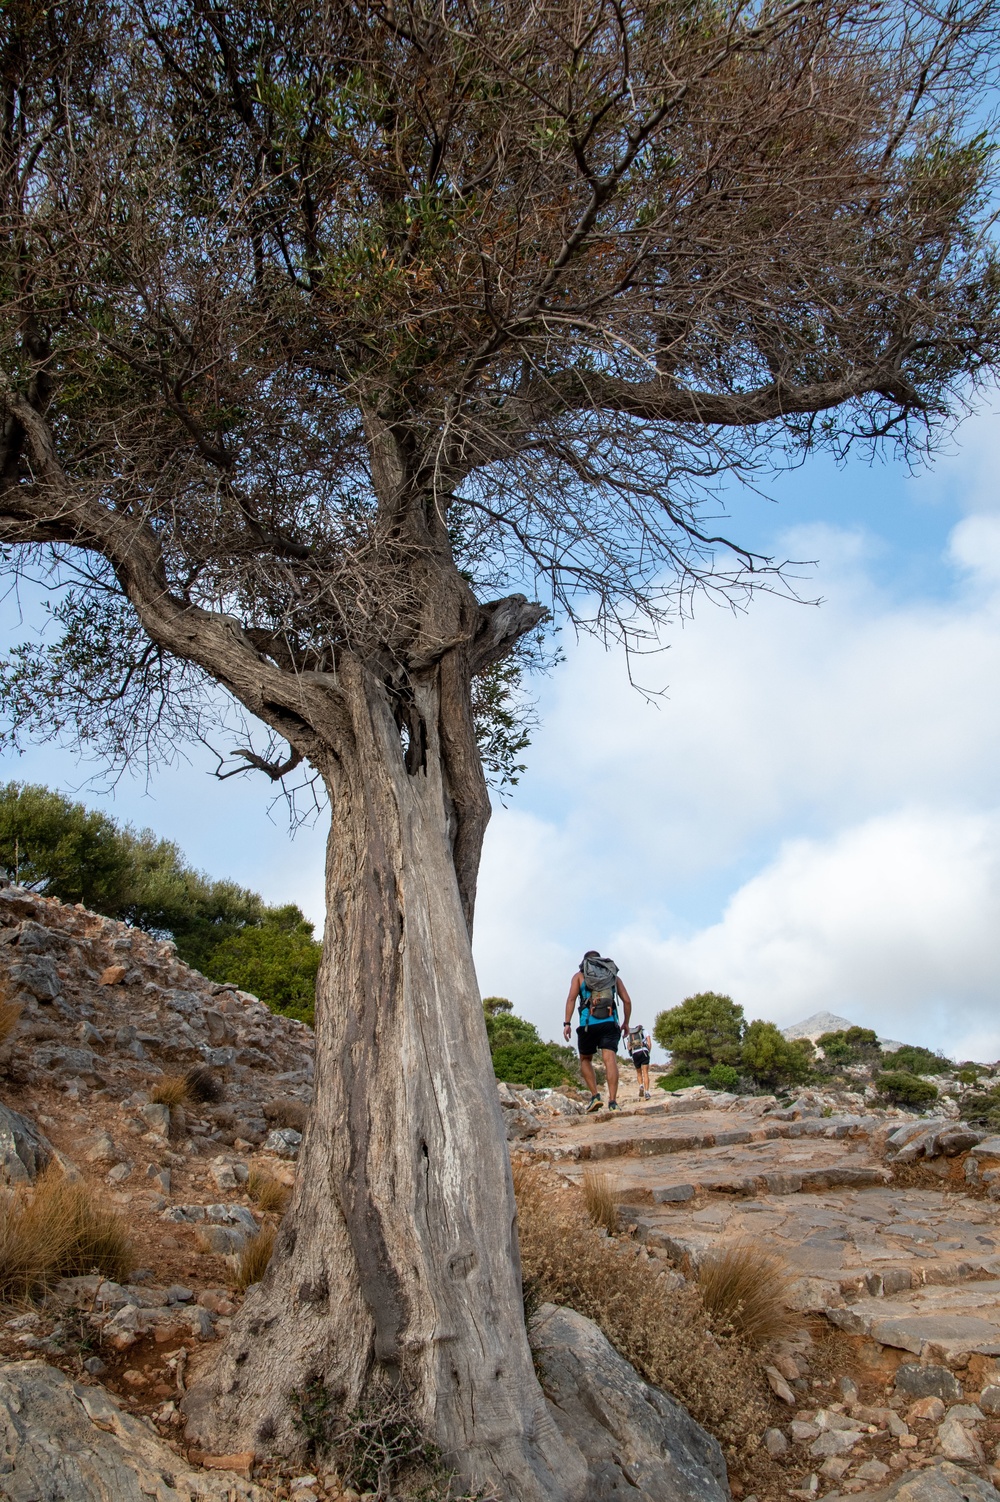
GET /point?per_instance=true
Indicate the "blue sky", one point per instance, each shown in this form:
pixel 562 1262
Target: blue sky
pixel 809 816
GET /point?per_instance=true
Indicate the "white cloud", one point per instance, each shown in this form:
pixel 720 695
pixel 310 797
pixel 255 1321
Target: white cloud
pixel 892 923
pixel 810 818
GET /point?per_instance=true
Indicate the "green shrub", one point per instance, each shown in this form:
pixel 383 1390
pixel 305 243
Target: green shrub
pixel 771 1059
pixel 704 1030
pixel 982 1108
pixel 680 1080
pixel 903 1089
pixel 723 1077
pixel 851 1045
pixel 529 1064
pixel 918 1061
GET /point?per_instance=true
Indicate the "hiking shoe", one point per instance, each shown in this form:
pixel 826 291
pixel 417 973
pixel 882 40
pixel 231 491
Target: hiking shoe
pixel 646 1093
pixel 612 1105
pixel 595 1105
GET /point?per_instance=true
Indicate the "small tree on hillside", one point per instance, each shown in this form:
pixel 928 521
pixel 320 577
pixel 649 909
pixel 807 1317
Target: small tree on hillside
pixel 330 333
pixel 771 1059
pixel 704 1030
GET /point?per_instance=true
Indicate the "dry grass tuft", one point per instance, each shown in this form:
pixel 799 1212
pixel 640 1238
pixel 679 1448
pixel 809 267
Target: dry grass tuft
pixel 600 1202
pixel 171 1090
pixel 203 1087
pixel 267 1192
pixel 30 1249
pixel 657 1323
pixel 10 1014
pixel 57 1231
pixel 744 1289
pixel 251 1264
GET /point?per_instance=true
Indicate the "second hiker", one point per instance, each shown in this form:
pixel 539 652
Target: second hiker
pixel 596 988
pixel 639 1043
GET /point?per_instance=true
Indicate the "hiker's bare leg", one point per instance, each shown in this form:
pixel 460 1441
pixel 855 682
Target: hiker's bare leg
pixel 589 1077
pixel 611 1070
pixel 645 1076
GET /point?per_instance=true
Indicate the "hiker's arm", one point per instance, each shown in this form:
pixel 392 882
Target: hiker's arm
pixel 574 991
pixel 626 1003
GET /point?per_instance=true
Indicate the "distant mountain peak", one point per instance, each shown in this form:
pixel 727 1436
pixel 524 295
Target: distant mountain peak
pixel 828 1022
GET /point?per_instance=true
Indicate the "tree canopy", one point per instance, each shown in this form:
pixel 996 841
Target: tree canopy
pixel 705 1029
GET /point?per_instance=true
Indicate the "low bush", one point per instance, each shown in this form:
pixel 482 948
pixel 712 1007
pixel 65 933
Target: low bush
pixel 528 1064
pixel 251 1264
pixel 203 1087
pixel 679 1080
pixel 599 1198
pixel 267 1192
pixel 723 1077
pixel 744 1289
pixel 902 1089
pixel 982 1108
pixel 913 1060
pixel 662 1329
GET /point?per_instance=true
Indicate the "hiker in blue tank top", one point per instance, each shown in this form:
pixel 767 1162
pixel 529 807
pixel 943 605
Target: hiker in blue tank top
pixel 596 988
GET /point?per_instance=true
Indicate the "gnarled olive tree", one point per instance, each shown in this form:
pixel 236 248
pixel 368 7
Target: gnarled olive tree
pixel 331 334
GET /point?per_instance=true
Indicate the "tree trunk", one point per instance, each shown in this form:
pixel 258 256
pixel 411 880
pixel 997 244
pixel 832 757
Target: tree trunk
pixel 398 1258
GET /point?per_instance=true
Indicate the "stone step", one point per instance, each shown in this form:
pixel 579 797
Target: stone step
pixel 935 1323
pixel 597 1138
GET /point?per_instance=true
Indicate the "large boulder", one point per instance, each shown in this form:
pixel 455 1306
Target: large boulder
pixel 638 1443
pixel 24 1152
pixel 63 1440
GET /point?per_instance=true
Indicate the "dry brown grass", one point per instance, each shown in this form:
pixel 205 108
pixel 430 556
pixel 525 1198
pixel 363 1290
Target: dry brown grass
pixel 600 1202
pixel 251 1264
pixel 662 1329
pixel 10 1014
pixel 55 1231
pixel 744 1289
pixel 172 1090
pixel 267 1192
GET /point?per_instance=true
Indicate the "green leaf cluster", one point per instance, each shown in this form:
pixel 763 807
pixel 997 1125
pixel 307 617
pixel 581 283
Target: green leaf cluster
pixel 227 932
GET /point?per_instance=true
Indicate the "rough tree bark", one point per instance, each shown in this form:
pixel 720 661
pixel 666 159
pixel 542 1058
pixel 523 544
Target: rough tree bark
pixel 398 1257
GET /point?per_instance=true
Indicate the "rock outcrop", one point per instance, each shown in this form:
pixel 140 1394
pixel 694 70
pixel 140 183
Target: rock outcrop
pixel 637 1442
pixel 63 1440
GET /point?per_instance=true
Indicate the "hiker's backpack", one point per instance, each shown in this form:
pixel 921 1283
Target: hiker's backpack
pixel 638 1038
pixel 598 992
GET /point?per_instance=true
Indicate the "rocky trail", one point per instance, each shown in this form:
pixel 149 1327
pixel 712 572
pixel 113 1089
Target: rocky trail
pixel 887 1224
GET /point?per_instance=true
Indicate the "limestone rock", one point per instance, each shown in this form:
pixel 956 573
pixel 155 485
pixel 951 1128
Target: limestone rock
pixel 635 1439
pixel 779 1386
pixel 24 1152
pixel 956 1442
pixel 989 1400
pixel 928 1382
pixel 284 1141
pixel 113 975
pixel 928 1409
pixel 62 1439
pixel 775 1442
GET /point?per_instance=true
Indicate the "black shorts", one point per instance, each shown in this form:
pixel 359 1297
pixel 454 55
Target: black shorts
pixel 598 1035
pixel 640 1058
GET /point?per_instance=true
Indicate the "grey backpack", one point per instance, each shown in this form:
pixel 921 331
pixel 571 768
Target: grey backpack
pixel 601 1001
